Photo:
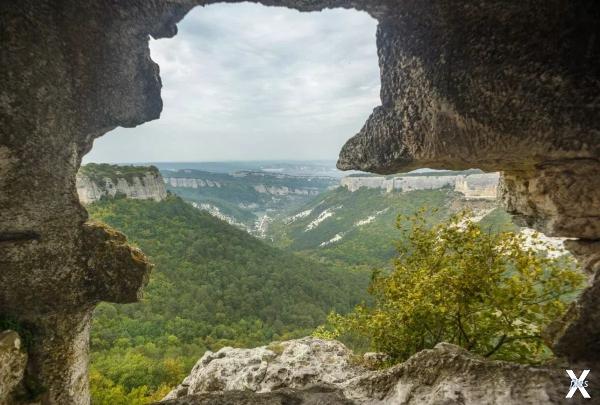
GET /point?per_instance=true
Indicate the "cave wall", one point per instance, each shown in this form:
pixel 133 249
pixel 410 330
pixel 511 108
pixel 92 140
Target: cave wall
pixel 511 86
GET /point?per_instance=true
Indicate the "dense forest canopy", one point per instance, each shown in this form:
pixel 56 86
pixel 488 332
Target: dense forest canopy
pixel 358 228
pixel 213 286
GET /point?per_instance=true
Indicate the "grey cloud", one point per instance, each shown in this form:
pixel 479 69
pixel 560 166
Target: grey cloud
pixel 248 82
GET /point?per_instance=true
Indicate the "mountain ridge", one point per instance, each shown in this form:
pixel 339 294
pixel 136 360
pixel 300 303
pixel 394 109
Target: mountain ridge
pixel 95 182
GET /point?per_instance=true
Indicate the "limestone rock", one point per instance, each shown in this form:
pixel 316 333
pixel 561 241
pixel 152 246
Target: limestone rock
pixel 450 375
pixel 374 360
pixel 292 364
pixel 446 374
pixel 316 395
pixel 578 329
pixel 147 185
pixel 459 92
pixel 560 198
pixel 472 186
pixel 12 364
pixel 119 269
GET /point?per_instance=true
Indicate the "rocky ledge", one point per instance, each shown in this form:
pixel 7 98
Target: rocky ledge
pixel 316 371
pixel 97 181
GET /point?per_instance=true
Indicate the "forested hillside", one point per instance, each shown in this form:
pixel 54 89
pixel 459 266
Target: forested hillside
pixel 359 228
pixel 213 285
pixel 244 197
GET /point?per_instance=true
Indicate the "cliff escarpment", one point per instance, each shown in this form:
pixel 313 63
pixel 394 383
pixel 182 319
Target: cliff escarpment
pixel 502 86
pixel 472 186
pixel 97 181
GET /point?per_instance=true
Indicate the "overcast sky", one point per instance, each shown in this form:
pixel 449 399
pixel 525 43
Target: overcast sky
pixel 249 82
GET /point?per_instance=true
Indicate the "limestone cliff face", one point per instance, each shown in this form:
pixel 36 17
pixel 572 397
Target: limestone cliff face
pixel 147 185
pixel 472 186
pixel 283 190
pixel 478 186
pixel 186 182
pixel 12 362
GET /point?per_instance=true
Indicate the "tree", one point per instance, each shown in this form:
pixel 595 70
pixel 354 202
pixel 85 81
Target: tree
pixel 455 282
pixel 212 286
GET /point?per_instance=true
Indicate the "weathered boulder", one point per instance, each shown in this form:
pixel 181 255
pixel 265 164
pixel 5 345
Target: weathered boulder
pixel 315 395
pixel 12 364
pixel 446 374
pixel 292 364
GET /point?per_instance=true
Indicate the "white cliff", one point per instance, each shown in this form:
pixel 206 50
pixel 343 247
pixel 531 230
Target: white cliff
pixel 478 186
pixel 187 182
pixel 473 186
pixel 145 184
pixel 284 190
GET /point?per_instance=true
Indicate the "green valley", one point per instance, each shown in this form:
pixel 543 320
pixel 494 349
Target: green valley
pixel 359 228
pixel 216 284
pixel 213 285
pixel 243 198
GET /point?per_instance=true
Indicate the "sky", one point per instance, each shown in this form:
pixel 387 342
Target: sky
pixel 249 82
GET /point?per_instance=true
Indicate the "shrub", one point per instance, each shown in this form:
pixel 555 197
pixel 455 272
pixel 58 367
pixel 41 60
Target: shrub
pixel 455 282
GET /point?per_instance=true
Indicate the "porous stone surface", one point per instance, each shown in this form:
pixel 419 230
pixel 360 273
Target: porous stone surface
pixel 446 374
pixel 560 198
pixel 490 84
pixel 12 364
pixel 293 364
pixel 375 359
pixel 503 86
pixel 315 395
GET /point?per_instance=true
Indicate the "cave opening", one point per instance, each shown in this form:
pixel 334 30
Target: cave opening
pixel 246 88
pixel 517 98
pixel 253 91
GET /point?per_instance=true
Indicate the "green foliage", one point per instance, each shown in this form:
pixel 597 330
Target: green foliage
pixel 213 286
pixel 370 244
pixel 106 392
pixel 97 172
pixel 498 221
pixel 454 282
